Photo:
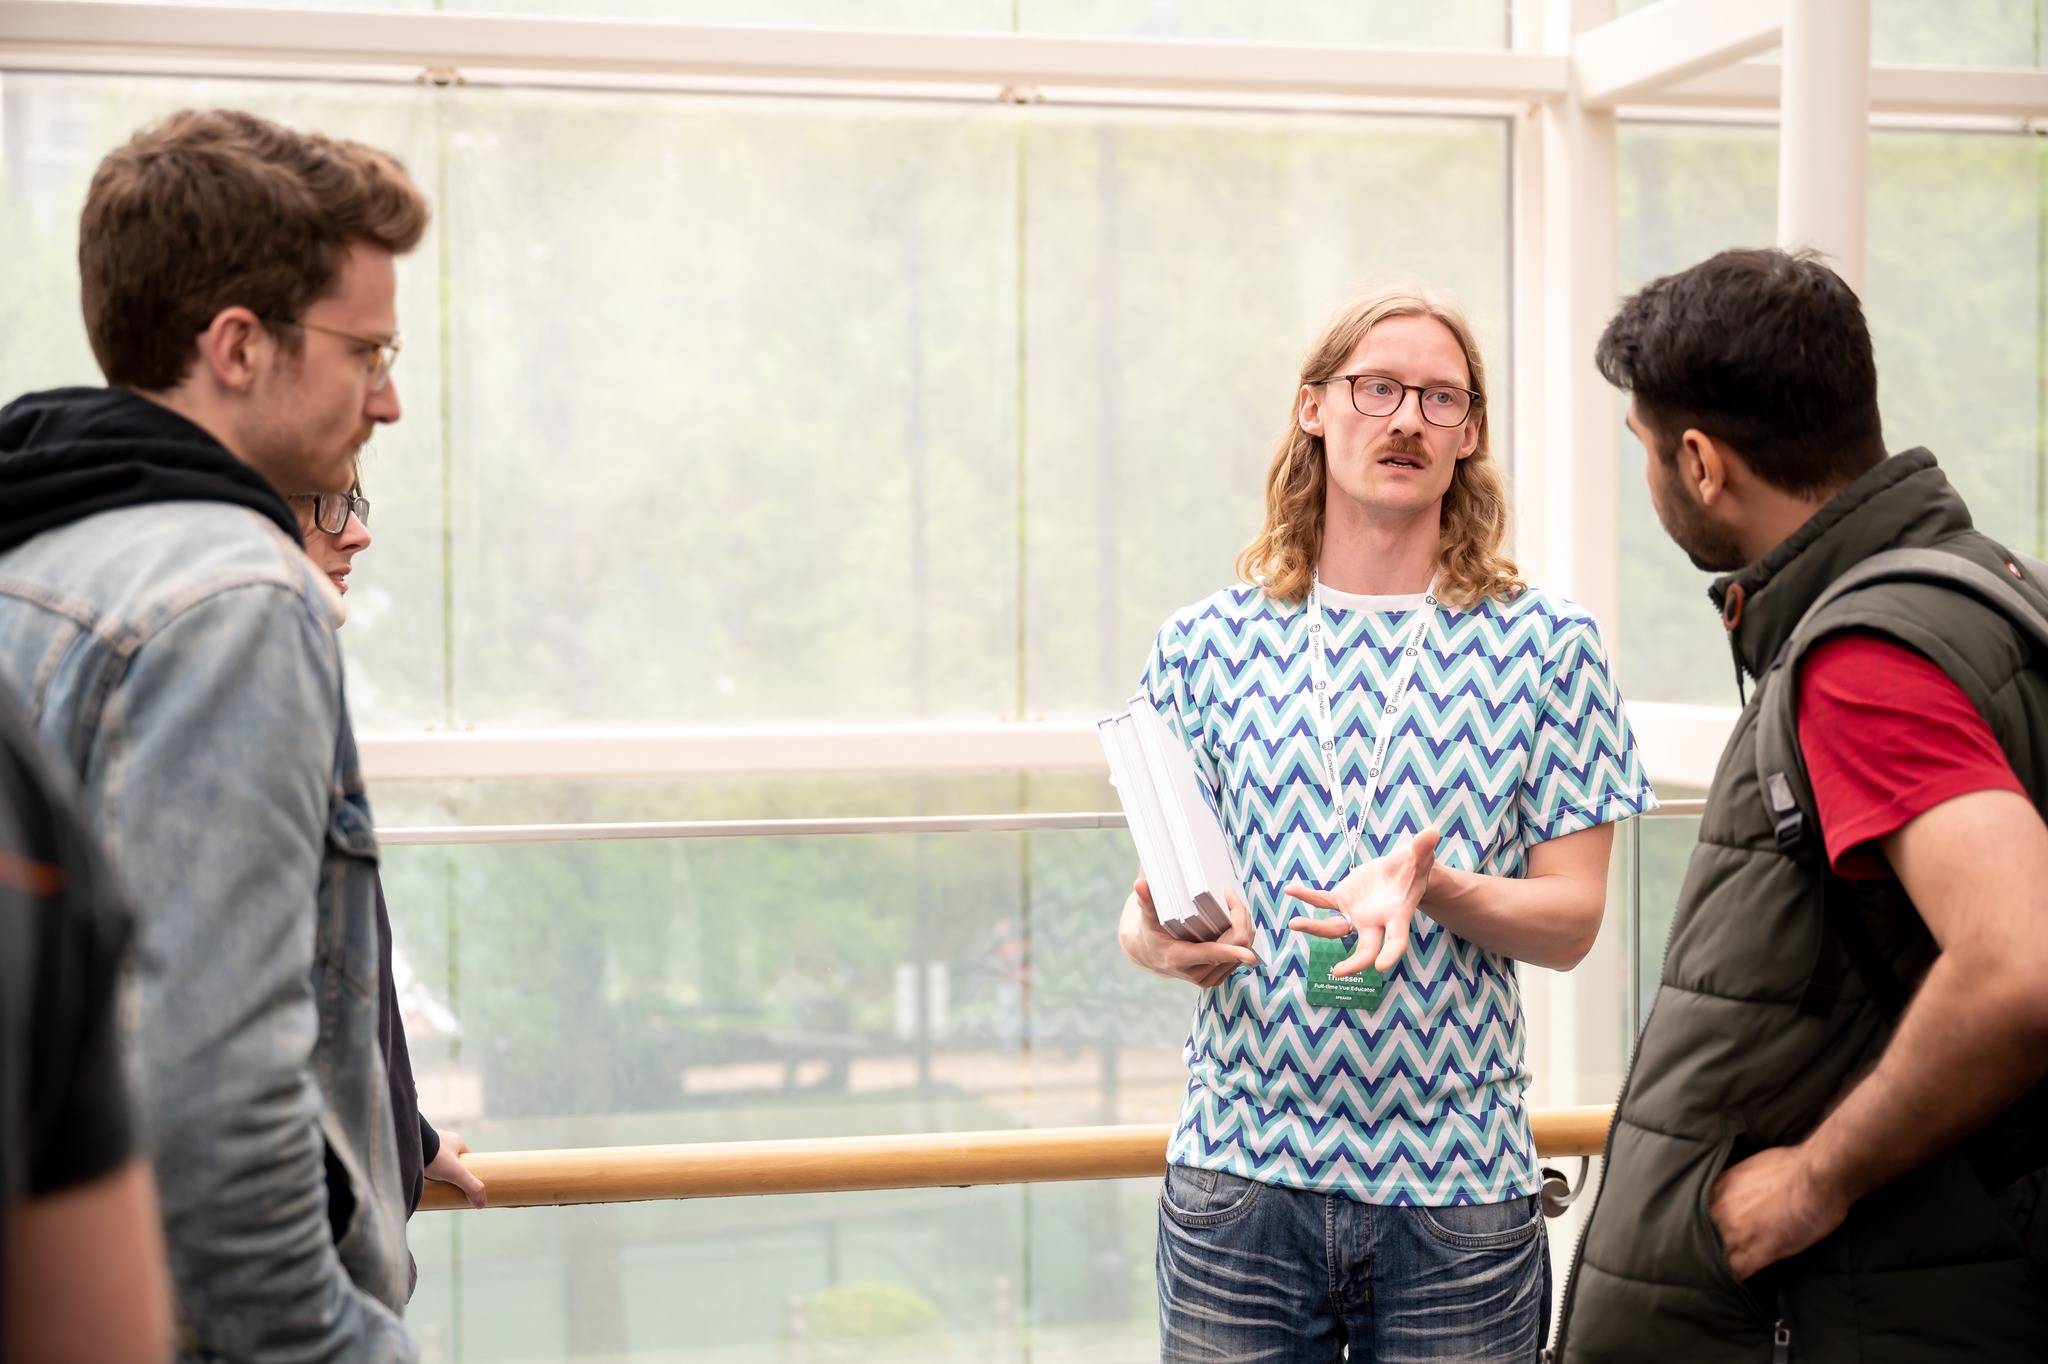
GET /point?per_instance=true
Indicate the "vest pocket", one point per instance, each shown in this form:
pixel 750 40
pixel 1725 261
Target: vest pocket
pixel 1713 1250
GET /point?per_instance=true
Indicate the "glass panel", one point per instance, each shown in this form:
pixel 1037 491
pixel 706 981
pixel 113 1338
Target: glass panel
pixel 758 458
pixel 918 1276
pixel 596 994
pixel 1958 33
pixel 1956 306
pixel 1178 269
pixel 1685 193
pixel 53 132
pixel 1664 849
pixel 825 311
pixel 1955 33
pixel 864 410
pixel 627 993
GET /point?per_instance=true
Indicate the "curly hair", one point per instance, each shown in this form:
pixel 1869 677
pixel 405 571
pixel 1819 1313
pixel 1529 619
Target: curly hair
pixel 1281 559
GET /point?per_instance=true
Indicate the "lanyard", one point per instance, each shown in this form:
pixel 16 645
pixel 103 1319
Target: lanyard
pixel 1326 727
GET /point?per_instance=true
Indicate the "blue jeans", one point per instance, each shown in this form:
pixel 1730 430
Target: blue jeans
pixel 1251 1271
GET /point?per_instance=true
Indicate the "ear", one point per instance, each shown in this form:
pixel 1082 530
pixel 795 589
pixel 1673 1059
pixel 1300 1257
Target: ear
pixel 1469 440
pixel 1309 414
pixel 1704 462
pixel 235 349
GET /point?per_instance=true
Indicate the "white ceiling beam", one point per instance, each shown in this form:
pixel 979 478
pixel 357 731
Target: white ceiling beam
pixel 1996 92
pixel 1642 53
pixel 205 40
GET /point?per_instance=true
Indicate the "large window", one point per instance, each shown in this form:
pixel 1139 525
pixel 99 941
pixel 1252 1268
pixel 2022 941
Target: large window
pixel 724 410
pixel 1956 303
pixel 842 403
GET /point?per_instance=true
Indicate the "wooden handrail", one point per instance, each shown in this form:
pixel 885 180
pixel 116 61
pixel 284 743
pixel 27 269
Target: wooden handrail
pixel 727 1169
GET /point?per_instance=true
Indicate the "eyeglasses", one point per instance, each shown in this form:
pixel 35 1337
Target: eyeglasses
pixel 382 354
pixel 332 510
pixel 1375 395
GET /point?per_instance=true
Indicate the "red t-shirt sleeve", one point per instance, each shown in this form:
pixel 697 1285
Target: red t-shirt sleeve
pixel 1887 736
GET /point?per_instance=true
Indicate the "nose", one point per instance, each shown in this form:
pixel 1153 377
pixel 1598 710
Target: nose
pixel 383 404
pixel 1406 419
pixel 354 537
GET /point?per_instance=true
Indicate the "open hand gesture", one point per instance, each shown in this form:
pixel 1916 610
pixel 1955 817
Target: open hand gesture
pixel 1376 901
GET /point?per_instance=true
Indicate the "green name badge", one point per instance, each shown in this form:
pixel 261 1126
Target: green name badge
pixel 1362 991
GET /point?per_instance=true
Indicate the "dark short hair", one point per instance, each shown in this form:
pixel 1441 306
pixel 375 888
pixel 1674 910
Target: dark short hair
pixel 217 208
pixel 1766 351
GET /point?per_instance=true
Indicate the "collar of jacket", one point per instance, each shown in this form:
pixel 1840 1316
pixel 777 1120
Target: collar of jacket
pixel 1904 501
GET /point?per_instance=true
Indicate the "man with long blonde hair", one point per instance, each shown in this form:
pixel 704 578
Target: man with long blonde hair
pixel 1398 732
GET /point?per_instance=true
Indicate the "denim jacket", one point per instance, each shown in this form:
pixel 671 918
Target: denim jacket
pixel 182 655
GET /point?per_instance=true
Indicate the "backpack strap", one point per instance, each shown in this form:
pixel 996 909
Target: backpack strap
pixel 1781 768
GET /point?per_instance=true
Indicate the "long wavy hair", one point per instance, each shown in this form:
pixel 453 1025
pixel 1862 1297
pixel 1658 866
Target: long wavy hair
pixel 1282 557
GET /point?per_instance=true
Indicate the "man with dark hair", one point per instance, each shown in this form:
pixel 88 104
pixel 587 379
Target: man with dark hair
pixel 1831 1146
pixel 172 641
pixel 81 1253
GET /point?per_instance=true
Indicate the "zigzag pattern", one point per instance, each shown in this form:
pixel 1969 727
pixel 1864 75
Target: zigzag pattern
pixel 1512 734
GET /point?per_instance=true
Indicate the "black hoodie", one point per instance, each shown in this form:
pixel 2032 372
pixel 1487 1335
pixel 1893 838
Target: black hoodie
pixel 71 453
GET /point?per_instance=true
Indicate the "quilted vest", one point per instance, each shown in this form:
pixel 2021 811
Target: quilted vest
pixel 1762 1019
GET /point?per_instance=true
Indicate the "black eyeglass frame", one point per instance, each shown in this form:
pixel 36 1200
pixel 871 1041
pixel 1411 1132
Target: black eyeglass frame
pixel 345 504
pixel 1474 398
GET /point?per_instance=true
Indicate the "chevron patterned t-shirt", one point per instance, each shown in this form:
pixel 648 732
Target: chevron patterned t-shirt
pixel 1511 734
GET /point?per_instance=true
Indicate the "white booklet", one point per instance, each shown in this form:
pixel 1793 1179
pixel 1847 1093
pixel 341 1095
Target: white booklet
pixel 1186 858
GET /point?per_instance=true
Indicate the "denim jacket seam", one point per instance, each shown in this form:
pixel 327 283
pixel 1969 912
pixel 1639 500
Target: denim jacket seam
pixel 110 729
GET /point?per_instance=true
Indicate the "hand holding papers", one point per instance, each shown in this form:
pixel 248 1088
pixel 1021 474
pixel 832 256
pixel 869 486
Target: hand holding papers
pixel 1180 845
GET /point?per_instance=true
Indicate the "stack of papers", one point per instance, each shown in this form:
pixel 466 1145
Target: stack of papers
pixel 1186 859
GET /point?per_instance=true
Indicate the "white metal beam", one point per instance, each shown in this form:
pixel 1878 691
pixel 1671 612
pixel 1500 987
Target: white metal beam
pixel 1982 92
pixel 1642 53
pixel 751 750
pixel 1069 821
pixel 1680 745
pixel 897 825
pixel 1570 482
pixel 205 40
pixel 1824 133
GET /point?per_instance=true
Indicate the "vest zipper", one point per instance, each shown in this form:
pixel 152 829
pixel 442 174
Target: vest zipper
pixel 1781 1343
pixel 1781 1333
pixel 1734 648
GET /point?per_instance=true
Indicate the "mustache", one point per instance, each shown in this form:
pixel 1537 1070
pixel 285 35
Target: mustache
pixel 1403 445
